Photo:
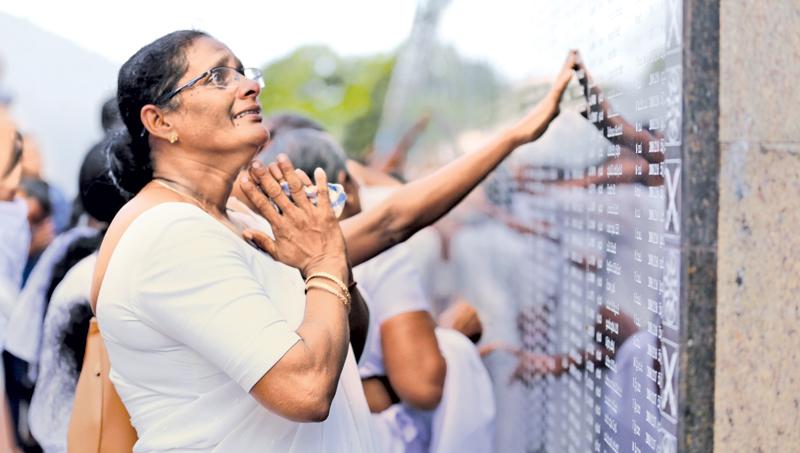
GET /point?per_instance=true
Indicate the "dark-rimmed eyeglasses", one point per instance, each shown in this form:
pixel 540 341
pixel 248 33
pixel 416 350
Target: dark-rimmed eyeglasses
pixel 16 154
pixel 219 77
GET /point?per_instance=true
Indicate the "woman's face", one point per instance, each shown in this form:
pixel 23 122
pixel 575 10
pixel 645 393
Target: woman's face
pixel 214 118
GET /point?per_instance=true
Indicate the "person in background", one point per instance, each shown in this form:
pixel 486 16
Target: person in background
pixel 36 192
pixel 68 311
pixel 33 168
pixel 58 255
pixel 14 244
pixel 403 370
pixel 24 330
pixel 18 384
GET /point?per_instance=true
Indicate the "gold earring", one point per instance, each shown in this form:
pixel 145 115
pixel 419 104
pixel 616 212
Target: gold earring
pixel 173 138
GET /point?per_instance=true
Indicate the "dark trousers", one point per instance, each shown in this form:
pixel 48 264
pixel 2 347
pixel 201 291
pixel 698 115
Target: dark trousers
pixel 19 391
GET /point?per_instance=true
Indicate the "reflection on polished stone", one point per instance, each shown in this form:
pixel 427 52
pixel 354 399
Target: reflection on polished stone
pixel 586 284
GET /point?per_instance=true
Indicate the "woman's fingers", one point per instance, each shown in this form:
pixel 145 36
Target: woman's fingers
pixel 303 177
pixel 570 64
pixel 257 197
pixel 295 185
pixel 270 186
pixel 263 241
pixel 275 171
pixel 323 199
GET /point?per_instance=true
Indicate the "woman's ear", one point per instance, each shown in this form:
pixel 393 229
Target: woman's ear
pixel 156 122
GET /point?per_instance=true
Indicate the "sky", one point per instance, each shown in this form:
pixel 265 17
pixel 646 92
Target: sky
pixel 256 31
pixel 261 31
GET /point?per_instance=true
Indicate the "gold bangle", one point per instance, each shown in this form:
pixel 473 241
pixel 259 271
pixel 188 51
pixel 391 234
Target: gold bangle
pixel 345 300
pixel 332 278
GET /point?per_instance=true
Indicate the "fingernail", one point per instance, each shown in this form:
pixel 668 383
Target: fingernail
pixel 282 158
pixel 256 164
pixel 245 179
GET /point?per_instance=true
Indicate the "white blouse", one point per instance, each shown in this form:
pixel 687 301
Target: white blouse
pixel 192 317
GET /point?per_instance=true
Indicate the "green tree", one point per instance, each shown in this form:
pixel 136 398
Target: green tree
pixel 344 94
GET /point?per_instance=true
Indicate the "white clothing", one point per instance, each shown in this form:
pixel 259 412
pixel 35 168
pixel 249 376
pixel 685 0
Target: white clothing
pixel 391 286
pixel 15 238
pixel 192 317
pixel 51 405
pixel 463 422
pixel 25 325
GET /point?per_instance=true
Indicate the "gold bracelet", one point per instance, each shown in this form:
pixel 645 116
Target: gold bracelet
pixel 332 278
pixel 345 300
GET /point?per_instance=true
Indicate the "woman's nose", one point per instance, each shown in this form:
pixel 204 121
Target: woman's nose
pixel 249 87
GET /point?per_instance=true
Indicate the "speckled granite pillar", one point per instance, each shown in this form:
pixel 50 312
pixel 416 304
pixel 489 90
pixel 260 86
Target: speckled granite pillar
pixel 757 382
pixel 700 199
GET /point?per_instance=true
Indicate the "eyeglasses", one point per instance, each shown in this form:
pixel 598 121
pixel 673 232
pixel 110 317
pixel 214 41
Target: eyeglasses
pixel 219 77
pixel 16 154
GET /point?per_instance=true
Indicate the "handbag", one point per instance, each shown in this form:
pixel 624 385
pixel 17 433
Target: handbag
pixel 99 421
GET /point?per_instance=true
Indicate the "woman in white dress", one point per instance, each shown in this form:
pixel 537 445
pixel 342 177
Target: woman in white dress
pixel 214 346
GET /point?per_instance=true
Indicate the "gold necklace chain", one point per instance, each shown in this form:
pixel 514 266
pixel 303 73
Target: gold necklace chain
pixel 200 204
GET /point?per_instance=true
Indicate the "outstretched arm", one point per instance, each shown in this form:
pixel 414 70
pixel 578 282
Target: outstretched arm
pixel 422 202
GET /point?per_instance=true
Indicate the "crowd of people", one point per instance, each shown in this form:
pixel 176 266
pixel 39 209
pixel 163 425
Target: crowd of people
pixel 238 313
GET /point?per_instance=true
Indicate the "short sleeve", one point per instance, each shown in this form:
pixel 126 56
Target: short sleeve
pixel 196 287
pixel 393 284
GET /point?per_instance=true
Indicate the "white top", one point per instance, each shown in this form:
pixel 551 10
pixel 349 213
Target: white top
pixel 192 318
pixel 392 286
pixel 54 394
pixel 15 238
pixel 25 324
pixel 463 422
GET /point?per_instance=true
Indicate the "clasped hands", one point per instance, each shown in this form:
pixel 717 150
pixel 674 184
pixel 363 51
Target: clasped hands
pixel 306 237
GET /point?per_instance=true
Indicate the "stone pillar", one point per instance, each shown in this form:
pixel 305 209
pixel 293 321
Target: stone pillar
pixel 699 201
pixel 757 372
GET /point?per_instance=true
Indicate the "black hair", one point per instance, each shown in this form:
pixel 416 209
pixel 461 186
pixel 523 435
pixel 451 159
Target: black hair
pixel 72 340
pixel 284 122
pixel 97 194
pixel 152 71
pixel 76 251
pixel 308 149
pixel 109 115
pixel 76 211
pixel 38 189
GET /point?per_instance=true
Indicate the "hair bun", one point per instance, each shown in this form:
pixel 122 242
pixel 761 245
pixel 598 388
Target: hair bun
pixel 129 163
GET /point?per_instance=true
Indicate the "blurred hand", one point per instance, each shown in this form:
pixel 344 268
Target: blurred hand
pixel 532 364
pixel 307 237
pixel 462 317
pixel 533 125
